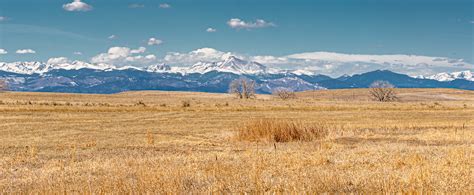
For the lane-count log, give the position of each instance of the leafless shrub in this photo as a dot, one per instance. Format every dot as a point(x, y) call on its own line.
point(383, 91)
point(284, 93)
point(242, 88)
point(281, 131)
point(3, 85)
point(186, 104)
point(140, 103)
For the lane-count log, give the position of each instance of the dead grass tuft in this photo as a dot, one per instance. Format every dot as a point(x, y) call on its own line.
point(150, 138)
point(278, 130)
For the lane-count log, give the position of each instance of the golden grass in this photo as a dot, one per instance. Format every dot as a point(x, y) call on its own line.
point(275, 130)
point(76, 143)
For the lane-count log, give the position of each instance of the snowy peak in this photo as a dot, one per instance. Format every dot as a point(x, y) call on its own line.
point(246, 67)
point(158, 68)
point(466, 75)
point(232, 64)
point(300, 72)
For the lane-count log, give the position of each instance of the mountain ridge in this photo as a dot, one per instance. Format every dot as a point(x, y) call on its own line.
point(80, 77)
point(231, 64)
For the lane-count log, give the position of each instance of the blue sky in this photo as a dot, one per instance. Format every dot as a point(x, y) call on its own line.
point(441, 28)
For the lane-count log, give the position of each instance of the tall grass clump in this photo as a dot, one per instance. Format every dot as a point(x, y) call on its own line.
point(281, 130)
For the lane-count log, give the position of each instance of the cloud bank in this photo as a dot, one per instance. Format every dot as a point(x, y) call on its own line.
point(124, 56)
point(330, 63)
point(327, 63)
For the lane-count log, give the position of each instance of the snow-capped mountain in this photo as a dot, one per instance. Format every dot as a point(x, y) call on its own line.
point(231, 64)
point(130, 78)
point(41, 68)
point(128, 68)
point(465, 75)
point(24, 67)
point(76, 65)
point(22, 75)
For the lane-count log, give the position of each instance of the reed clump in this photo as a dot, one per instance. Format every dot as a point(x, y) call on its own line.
point(278, 130)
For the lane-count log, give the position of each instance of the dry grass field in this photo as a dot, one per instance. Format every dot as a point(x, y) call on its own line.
point(181, 142)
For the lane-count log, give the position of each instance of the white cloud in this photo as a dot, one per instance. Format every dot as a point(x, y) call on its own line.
point(136, 6)
point(118, 52)
point(77, 53)
point(58, 60)
point(165, 5)
point(3, 51)
point(3, 18)
point(123, 56)
point(25, 51)
point(139, 50)
point(211, 30)
point(150, 57)
point(77, 5)
point(139, 58)
point(112, 54)
point(112, 37)
point(269, 59)
point(240, 24)
point(154, 41)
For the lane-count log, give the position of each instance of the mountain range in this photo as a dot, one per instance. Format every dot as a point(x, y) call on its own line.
point(82, 77)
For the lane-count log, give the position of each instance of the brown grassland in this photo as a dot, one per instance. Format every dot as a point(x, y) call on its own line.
point(182, 142)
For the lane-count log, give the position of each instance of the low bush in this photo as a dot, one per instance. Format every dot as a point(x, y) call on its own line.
point(186, 104)
point(284, 94)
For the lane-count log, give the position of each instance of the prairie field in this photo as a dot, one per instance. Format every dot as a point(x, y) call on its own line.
point(188, 142)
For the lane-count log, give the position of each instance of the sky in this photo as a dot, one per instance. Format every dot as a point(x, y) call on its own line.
point(288, 33)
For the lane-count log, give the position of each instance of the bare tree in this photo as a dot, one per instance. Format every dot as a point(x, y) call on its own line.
point(242, 88)
point(284, 93)
point(3, 85)
point(383, 91)
point(235, 88)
